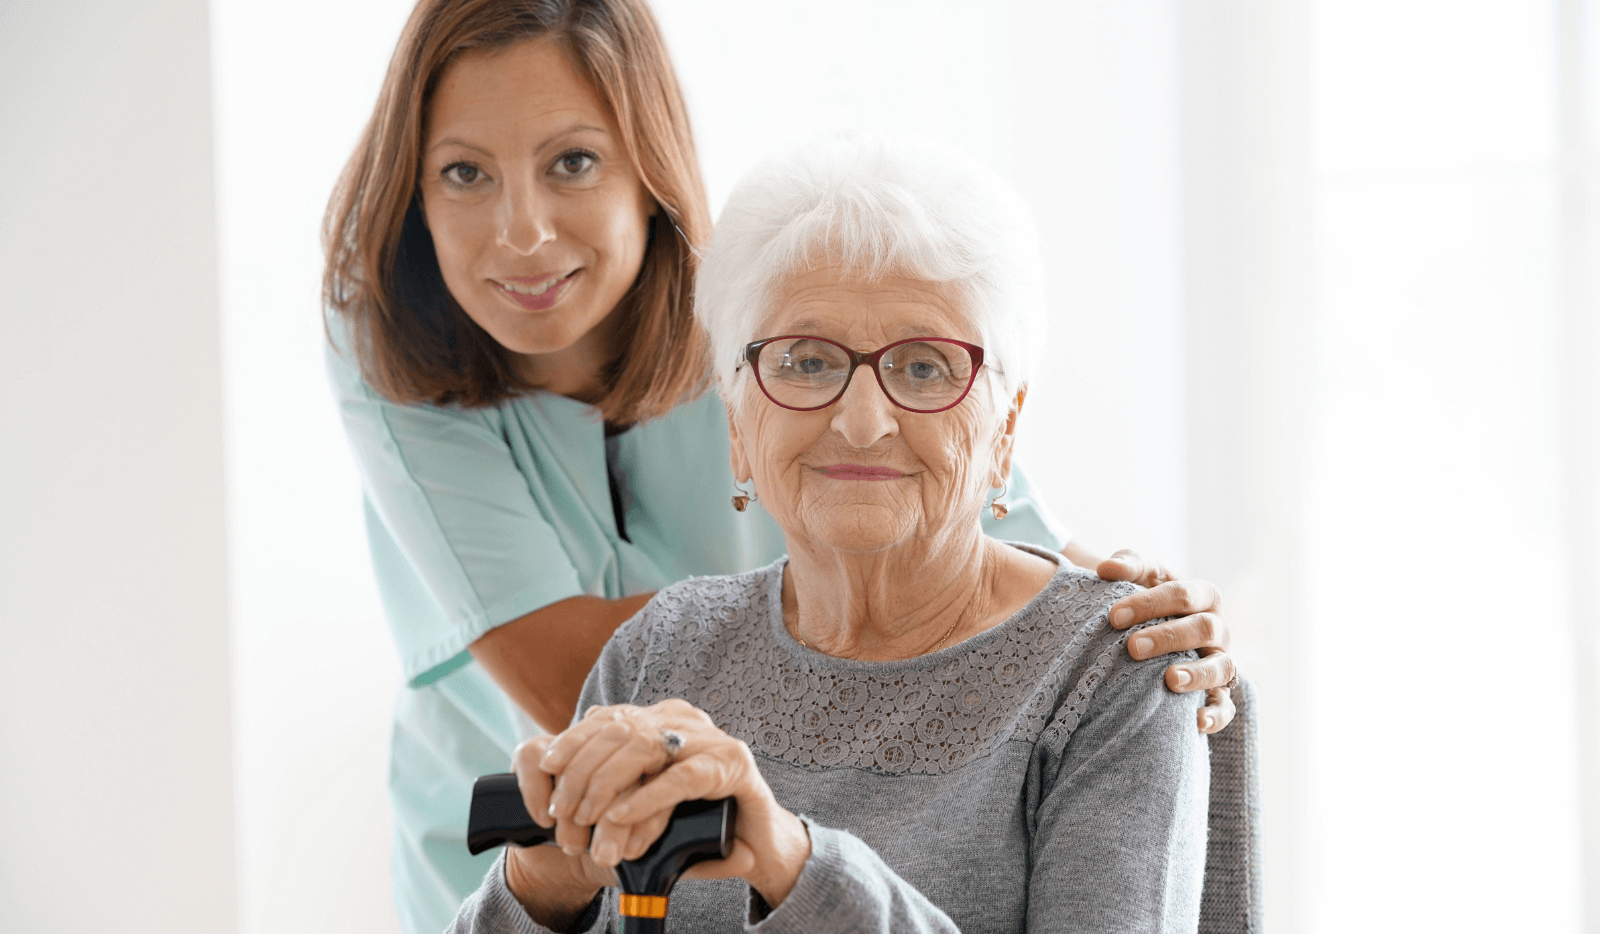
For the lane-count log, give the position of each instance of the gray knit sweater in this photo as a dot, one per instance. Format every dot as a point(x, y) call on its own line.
point(1032, 778)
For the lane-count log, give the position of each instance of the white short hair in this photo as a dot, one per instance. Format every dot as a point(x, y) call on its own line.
point(876, 206)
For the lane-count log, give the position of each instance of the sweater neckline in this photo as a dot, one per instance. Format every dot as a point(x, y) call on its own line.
point(773, 587)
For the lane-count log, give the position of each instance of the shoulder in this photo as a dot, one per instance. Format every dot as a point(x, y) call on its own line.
point(708, 604)
point(1076, 603)
point(1085, 586)
point(693, 432)
point(360, 403)
point(705, 410)
point(1086, 659)
point(689, 628)
point(1070, 622)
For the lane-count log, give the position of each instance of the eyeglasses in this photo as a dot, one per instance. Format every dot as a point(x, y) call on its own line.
point(920, 374)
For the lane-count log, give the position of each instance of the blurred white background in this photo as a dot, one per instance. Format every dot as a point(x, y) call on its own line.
point(1325, 327)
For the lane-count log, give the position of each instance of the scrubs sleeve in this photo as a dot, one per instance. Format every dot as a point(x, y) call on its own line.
point(1028, 519)
point(458, 543)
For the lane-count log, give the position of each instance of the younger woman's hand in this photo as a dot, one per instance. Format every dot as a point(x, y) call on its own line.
point(614, 788)
point(1200, 627)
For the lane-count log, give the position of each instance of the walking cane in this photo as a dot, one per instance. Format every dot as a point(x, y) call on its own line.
point(697, 831)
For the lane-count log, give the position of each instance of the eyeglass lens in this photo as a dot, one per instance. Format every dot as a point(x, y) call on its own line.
point(806, 373)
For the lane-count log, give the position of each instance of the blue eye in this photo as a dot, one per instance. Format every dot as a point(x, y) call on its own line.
point(461, 173)
point(575, 163)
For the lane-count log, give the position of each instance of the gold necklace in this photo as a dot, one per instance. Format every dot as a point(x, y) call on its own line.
point(936, 646)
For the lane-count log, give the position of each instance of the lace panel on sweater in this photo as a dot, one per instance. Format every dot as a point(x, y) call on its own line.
point(710, 641)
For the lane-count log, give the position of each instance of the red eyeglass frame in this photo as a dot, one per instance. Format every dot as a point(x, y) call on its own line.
point(752, 356)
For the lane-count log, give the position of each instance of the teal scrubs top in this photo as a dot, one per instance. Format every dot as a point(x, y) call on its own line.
point(476, 517)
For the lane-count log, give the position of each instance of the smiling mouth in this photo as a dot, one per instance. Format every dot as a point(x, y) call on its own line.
point(859, 472)
point(537, 294)
point(524, 288)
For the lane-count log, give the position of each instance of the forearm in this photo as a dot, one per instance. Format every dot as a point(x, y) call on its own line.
point(845, 886)
point(541, 660)
point(540, 879)
point(516, 900)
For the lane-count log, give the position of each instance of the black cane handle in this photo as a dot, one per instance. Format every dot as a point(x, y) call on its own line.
point(499, 817)
point(698, 831)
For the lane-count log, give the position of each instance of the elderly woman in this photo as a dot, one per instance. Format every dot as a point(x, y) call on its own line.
point(925, 728)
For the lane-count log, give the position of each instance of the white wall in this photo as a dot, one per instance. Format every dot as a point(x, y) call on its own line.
point(1578, 54)
point(314, 672)
point(116, 794)
point(1376, 222)
point(1248, 296)
point(1435, 494)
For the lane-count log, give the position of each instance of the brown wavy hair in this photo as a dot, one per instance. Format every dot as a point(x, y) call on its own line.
point(412, 340)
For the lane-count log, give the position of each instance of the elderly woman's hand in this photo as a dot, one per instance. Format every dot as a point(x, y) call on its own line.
point(1200, 627)
point(610, 786)
point(554, 886)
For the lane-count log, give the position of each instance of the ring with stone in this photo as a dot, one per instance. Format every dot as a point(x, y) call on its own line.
point(671, 742)
point(1233, 682)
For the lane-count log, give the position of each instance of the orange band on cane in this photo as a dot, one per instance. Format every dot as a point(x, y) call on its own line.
point(641, 906)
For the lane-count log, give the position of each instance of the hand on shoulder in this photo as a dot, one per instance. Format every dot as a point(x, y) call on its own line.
point(1191, 619)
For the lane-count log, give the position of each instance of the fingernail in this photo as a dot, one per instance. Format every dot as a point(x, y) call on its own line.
point(1183, 678)
point(551, 809)
point(1142, 646)
point(606, 855)
point(571, 850)
point(1122, 617)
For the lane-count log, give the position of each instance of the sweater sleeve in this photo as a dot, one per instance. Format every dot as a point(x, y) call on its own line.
point(492, 909)
point(1120, 832)
point(845, 886)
